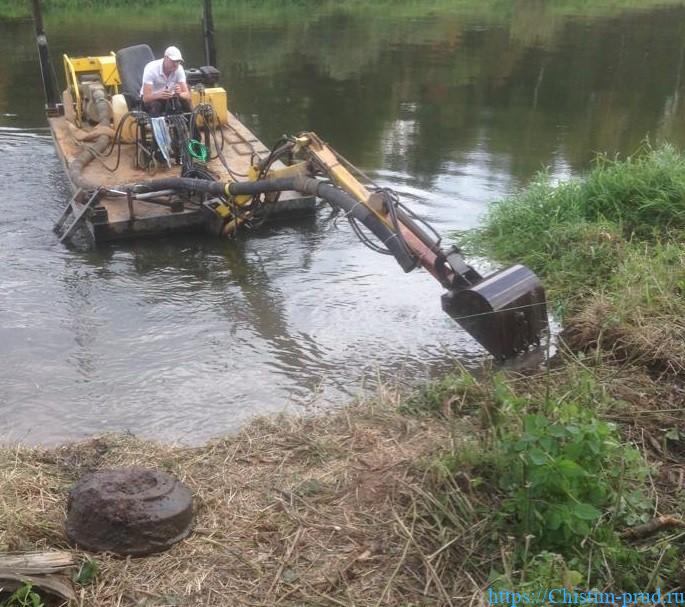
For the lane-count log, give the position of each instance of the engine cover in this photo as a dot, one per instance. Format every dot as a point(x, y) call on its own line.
point(207, 75)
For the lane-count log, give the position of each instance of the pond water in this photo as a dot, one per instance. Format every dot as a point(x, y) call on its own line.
point(452, 104)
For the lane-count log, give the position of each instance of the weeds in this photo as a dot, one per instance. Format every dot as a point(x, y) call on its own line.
point(556, 481)
point(25, 596)
point(609, 249)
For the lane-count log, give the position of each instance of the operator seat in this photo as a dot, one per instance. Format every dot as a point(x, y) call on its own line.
point(131, 62)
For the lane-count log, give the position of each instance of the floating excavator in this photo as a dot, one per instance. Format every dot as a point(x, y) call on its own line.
point(134, 176)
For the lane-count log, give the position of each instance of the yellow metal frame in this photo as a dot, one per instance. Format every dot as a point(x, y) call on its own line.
point(217, 97)
point(105, 65)
point(72, 83)
point(321, 152)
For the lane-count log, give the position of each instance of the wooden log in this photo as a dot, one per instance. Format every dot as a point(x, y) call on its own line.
point(650, 527)
point(40, 569)
point(36, 562)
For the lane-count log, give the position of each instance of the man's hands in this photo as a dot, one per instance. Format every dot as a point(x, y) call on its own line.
point(182, 91)
point(177, 91)
point(166, 93)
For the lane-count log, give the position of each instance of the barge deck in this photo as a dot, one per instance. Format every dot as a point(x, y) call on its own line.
point(118, 218)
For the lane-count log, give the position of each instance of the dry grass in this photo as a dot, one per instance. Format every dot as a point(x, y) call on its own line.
point(336, 510)
point(353, 508)
point(654, 341)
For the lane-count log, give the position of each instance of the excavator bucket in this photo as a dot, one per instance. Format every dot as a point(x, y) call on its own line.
point(506, 312)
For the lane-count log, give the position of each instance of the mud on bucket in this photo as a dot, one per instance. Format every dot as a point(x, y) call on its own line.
point(130, 511)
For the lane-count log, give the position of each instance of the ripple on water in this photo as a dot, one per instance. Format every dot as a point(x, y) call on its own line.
point(186, 338)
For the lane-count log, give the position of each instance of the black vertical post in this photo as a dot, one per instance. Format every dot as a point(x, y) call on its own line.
point(208, 33)
point(47, 71)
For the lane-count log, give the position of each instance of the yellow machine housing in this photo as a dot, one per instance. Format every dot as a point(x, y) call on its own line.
point(75, 68)
point(105, 67)
point(217, 97)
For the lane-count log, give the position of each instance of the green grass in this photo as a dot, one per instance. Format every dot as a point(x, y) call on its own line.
point(577, 232)
point(489, 9)
point(608, 247)
point(556, 480)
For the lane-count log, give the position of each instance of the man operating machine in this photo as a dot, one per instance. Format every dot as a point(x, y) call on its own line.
point(164, 89)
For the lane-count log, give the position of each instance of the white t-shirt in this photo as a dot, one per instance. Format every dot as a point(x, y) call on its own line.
point(154, 75)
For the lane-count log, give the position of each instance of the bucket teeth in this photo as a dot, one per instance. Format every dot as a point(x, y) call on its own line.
point(506, 312)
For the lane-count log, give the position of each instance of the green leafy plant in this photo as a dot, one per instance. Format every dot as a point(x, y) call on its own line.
point(25, 596)
point(563, 471)
point(564, 474)
point(560, 477)
point(87, 572)
point(566, 484)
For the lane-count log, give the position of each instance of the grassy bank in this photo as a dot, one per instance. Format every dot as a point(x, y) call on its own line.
point(609, 247)
point(491, 10)
point(594, 446)
point(466, 487)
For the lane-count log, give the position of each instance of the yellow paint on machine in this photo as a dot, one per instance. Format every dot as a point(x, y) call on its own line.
point(217, 97)
point(106, 68)
point(75, 67)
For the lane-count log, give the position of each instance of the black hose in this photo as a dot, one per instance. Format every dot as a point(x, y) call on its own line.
point(179, 183)
point(305, 185)
point(262, 186)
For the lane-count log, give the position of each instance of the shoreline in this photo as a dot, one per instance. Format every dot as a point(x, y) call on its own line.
point(289, 507)
point(395, 500)
point(566, 475)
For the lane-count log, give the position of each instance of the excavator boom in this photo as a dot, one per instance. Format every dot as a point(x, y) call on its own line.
point(505, 312)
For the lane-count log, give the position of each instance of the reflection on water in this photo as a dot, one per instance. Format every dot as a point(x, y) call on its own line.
point(185, 338)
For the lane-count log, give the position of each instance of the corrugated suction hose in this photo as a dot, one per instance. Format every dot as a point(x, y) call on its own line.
point(103, 110)
point(305, 185)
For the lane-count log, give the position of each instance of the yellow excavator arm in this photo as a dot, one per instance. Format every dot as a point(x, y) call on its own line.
point(505, 312)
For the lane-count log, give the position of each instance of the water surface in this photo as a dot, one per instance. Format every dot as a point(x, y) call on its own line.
point(452, 104)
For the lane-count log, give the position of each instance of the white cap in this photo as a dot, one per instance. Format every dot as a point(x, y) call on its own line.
point(173, 53)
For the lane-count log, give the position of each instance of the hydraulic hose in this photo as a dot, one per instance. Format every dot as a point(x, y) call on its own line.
point(104, 115)
point(305, 185)
point(215, 188)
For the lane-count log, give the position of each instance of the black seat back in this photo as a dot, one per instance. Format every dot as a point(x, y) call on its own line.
point(131, 62)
